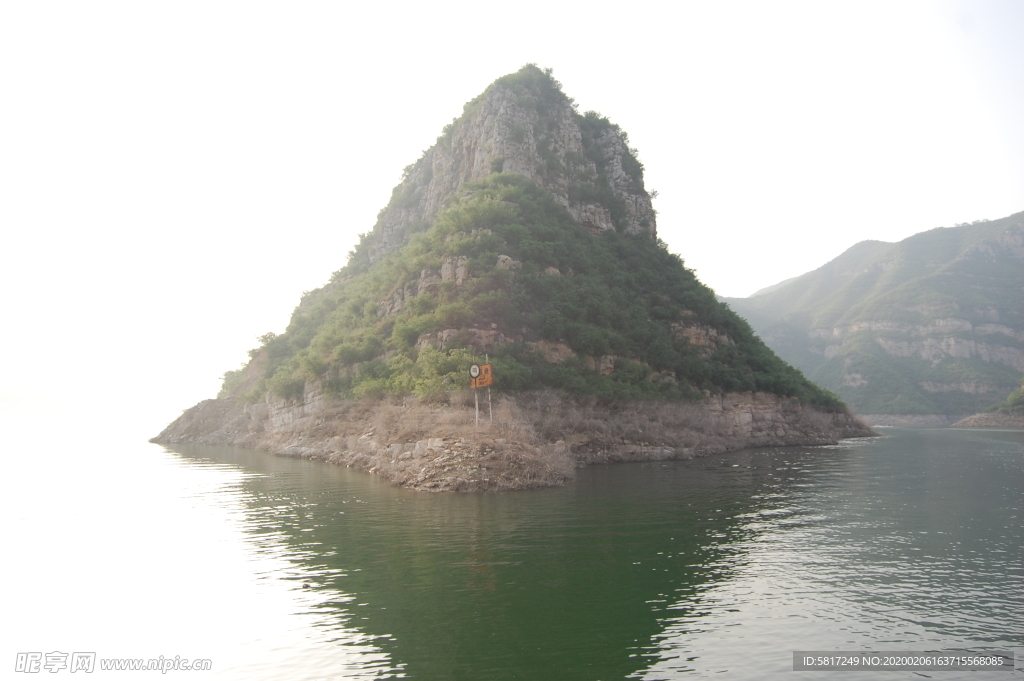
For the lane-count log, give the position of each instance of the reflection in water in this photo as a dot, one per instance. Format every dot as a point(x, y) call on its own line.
point(646, 570)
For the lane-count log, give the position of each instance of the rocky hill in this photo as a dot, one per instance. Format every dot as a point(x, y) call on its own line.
point(921, 331)
point(524, 235)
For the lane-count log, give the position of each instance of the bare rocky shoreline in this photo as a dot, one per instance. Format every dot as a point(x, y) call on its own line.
point(908, 420)
point(996, 419)
point(536, 439)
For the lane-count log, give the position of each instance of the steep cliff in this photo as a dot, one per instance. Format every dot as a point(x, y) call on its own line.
point(526, 235)
point(932, 325)
point(524, 124)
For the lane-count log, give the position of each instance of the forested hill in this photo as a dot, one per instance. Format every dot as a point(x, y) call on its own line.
point(525, 233)
point(933, 324)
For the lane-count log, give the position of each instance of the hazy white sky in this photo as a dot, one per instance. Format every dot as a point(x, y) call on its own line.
point(174, 174)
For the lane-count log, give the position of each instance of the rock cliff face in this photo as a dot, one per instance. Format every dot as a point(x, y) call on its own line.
point(943, 338)
point(933, 325)
point(584, 162)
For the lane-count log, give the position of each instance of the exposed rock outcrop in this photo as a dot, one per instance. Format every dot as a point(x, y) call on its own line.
point(702, 336)
point(937, 348)
point(535, 132)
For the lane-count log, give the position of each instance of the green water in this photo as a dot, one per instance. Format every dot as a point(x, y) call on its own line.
point(690, 569)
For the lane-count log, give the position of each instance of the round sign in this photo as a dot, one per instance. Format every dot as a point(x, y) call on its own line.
point(474, 371)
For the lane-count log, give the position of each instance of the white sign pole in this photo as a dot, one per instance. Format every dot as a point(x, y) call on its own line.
point(474, 373)
point(490, 412)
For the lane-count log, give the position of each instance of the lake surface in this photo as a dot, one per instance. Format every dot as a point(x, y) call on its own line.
point(280, 568)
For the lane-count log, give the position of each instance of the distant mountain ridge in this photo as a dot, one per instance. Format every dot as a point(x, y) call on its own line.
point(933, 324)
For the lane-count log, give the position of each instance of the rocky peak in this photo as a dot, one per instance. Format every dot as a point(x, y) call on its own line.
point(523, 123)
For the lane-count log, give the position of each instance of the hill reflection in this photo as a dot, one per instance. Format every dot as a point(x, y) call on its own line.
point(652, 570)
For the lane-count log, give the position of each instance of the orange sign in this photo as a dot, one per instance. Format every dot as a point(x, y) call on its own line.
point(485, 378)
